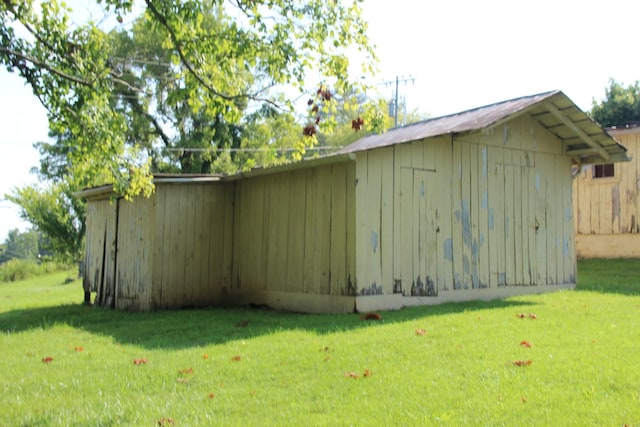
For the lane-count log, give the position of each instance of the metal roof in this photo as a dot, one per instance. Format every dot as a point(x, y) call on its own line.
point(583, 139)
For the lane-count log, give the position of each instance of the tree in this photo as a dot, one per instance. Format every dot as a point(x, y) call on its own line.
point(57, 214)
point(20, 246)
point(620, 106)
point(222, 56)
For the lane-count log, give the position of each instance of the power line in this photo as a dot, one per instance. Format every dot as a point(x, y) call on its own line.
point(242, 150)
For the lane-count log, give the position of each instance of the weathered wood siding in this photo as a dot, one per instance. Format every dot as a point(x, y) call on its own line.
point(294, 234)
point(191, 244)
point(171, 250)
point(100, 250)
point(448, 217)
point(608, 208)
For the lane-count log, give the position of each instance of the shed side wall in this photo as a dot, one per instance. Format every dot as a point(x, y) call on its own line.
point(189, 239)
point(136, 221)
point(478, 212)
point(293, 234)
point(608, 209)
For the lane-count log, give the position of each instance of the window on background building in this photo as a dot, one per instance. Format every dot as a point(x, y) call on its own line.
point(603, 171)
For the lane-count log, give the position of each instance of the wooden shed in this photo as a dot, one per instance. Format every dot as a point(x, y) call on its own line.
point(607, 203)
point(475, 205)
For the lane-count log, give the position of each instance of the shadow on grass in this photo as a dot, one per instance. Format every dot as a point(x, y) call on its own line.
point(198, 327)
point(615, 276)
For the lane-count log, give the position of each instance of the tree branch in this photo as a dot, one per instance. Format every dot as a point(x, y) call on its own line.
point(163, 20)
point(38, 63)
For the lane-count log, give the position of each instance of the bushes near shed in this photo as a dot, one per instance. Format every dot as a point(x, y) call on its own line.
point(20, 269)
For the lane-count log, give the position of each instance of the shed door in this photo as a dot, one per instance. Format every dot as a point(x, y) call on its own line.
point(419, 232)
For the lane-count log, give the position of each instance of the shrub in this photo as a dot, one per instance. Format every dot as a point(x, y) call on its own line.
point(19, 269)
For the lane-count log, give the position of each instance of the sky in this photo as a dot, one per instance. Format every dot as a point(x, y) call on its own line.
point(460, 54)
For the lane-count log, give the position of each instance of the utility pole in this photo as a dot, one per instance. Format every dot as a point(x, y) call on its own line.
point(394, 101)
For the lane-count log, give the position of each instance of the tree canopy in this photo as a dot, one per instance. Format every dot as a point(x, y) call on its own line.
point(621, 105)
point(174, 89)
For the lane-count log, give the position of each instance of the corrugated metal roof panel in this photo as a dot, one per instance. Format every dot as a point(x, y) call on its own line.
point(553, 110)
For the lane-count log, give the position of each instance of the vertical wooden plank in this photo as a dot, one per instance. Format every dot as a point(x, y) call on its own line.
point(296, 232)
point(468, 265)
point(277, 197)
point(159, 249)
point(584, 201)
point(456, 220)
point(239, 231)
point(170, 242)
point(310, 231)
point(269, 204)
point(403, 194)
point(496, 217)
point(531, 213)
point(484, 278)
point(227, 203)
point(386, 221)
point(256, 258)
point(363, 233)
point(511, 199)
point(317, 235)
point(518, 211)
point(190, 219)
point(568, 243)
point(560, 174)
point(109, 285)
point(127, 250)
point(432, 233)
point(408, 274)
point(551, 218)
point(212, 235)
point(351, 230)
point(323, 221)
point(596, 204)
point(473, 243)
point(338, 255)
point(540, 221)
point(419, 233)
point(442, 180)
point(200, 248)
point(372, 278)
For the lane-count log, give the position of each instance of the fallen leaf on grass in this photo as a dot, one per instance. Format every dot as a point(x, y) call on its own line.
point(182, 380)
point(47, 359)
point(530, 315)
point(367, 373)
point(526, 344)
point(236, 358)
point(371, 316)
point(211, 395)
point(421, 332)
point(205, 356)
point(141, 361)
point(79, 349)
point(524, 399)
point(185, 371)
point(165, 422)
point(522, 362)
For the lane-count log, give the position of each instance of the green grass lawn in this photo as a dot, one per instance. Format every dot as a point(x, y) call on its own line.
point(456, 364)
